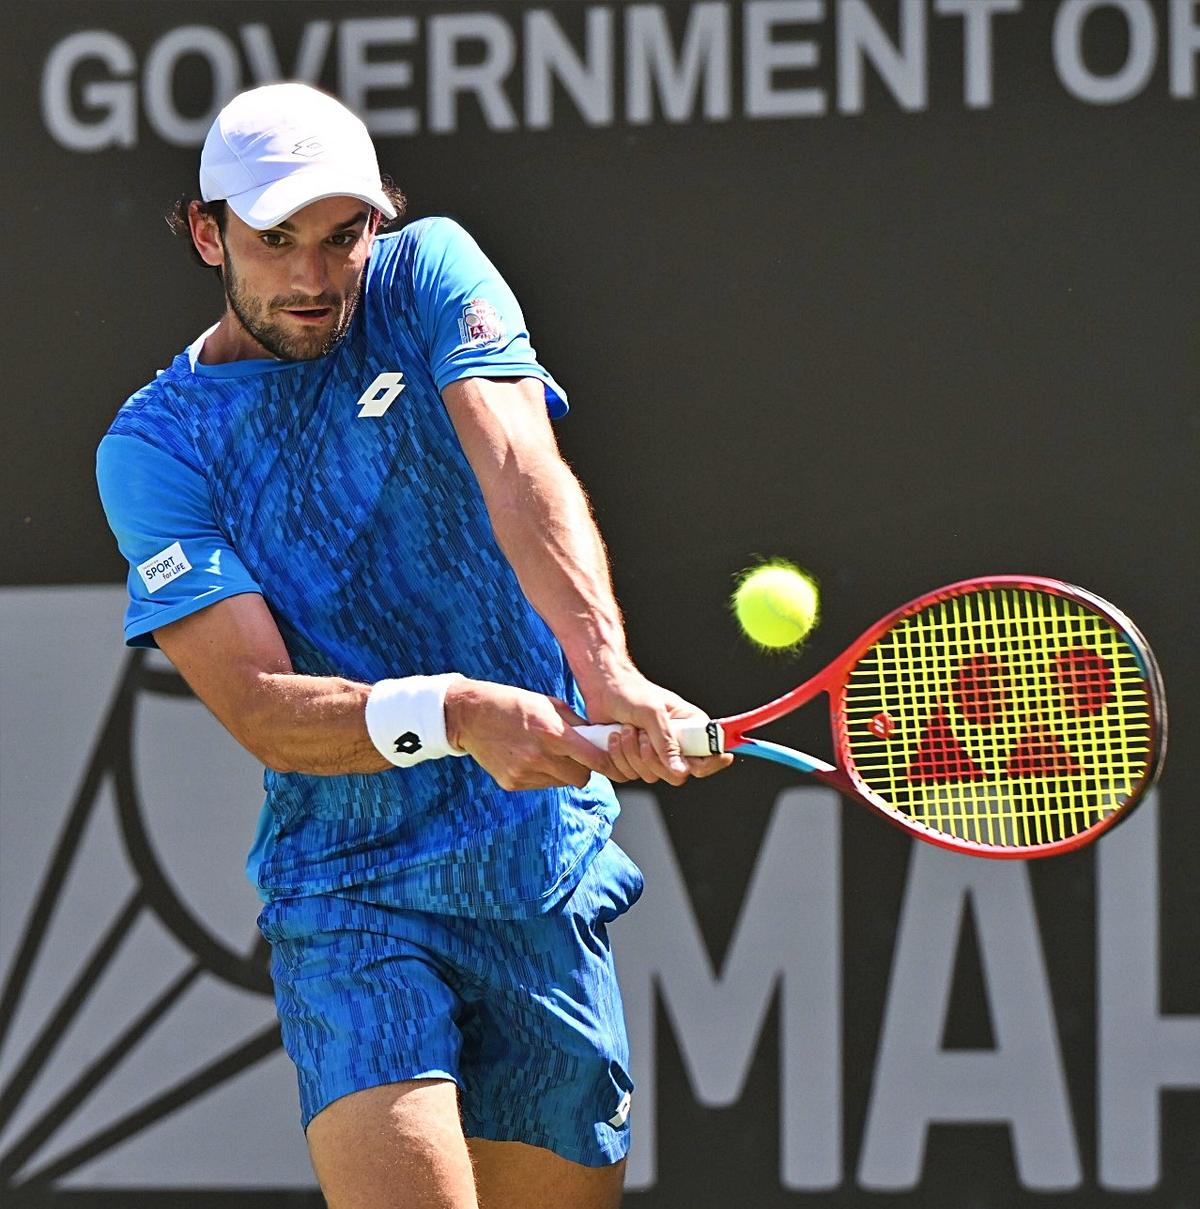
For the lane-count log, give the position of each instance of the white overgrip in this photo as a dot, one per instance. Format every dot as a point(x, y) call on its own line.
point(695, 738)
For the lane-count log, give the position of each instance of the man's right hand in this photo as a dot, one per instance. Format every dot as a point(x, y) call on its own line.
point(523, 740)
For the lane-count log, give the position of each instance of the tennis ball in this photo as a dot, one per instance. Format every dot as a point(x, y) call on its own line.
point(776, 605)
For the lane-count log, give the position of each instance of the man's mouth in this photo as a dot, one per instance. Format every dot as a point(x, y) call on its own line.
point(311, 314)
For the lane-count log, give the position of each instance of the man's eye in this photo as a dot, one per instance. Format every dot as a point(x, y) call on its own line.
point(343, 239)
point(272, 239)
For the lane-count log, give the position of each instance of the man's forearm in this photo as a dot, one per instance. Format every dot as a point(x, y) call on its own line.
point(315, 725)
point(544, 526)
point(541, 520)
point(309, 724)
point(233, 658)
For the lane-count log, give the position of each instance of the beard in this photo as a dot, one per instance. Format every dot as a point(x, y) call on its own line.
point(288, 343)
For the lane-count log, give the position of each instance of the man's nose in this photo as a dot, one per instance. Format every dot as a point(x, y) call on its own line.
point(310, 274)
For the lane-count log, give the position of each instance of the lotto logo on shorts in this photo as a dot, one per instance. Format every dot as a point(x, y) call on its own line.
point(480, 323)
point(618, 1119)
point(163, 567)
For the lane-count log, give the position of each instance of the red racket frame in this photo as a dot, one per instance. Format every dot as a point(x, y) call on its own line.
point(834, 678)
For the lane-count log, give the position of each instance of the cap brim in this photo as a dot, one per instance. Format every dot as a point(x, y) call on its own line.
point(273, 203)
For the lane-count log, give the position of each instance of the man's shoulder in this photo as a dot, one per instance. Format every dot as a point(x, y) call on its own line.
point(406, 265)
point(437, 228)
point(423, 238)
point(154, 412)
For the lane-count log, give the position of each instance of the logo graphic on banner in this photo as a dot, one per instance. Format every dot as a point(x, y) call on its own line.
point(111, 776)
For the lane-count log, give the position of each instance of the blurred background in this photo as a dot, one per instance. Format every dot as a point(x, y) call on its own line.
point(903, 290)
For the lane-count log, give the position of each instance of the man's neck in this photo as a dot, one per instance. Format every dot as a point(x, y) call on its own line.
point(229, 341)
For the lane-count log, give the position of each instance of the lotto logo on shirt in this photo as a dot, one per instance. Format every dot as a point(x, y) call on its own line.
point(163, 567)
point(480, 323)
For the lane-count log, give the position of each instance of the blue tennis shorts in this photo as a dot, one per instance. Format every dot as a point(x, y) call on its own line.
point(524, 1015)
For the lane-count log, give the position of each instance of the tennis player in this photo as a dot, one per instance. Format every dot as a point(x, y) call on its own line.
point(349, 527)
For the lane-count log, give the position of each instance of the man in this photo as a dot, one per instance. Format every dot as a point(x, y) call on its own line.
point(349, 527)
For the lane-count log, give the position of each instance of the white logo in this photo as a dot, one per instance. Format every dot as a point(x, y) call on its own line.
point(163, 567)
point(622, 1114)
point(380, 395)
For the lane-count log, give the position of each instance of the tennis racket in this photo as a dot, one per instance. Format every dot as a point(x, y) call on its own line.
point(1010, 716)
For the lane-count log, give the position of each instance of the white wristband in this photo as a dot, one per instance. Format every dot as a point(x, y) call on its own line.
point(406, 719)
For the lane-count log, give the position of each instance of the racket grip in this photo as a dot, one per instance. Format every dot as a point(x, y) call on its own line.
point(598, 735)
point(693, 736)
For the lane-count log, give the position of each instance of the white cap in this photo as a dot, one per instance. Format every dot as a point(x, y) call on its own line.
point(276, 149)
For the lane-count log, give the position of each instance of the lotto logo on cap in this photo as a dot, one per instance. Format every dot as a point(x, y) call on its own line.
point(276, 149)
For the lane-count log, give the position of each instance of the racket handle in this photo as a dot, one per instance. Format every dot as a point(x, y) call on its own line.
point(693, 736)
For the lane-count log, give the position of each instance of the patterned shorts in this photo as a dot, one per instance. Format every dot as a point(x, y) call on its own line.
point(524, 1015)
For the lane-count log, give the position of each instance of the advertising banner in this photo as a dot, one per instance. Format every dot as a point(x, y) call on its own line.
point(902, 290)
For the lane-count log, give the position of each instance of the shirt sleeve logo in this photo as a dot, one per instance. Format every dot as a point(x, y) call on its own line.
point(480, 323)
point(163, 567)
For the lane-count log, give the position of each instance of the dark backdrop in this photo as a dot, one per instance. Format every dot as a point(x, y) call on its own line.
point(901, 347)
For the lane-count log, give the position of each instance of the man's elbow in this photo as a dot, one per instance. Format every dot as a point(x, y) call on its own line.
point(264, 743)
point(277, 761)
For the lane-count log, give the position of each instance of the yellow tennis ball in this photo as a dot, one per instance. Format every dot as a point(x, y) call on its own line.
point(776, 605)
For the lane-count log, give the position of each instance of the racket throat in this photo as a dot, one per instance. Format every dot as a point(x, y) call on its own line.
point(787, 756)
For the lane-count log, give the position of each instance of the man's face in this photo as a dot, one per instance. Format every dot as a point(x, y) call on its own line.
point(294, 288)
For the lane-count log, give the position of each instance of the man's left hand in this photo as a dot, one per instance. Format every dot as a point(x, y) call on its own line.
point(646, 748)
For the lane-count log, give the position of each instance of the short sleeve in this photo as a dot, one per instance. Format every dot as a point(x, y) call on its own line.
point(471, 320)
point(158, 509)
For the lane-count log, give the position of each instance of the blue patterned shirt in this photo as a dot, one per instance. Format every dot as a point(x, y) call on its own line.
point(338, 490)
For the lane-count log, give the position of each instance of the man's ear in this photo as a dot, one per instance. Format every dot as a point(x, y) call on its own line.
point(206, 235)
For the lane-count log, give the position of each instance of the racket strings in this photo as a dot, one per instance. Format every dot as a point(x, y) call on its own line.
point(1006, 717)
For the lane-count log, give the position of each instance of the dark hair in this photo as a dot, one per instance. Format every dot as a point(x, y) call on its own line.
point(177, 216)
point(177, 220)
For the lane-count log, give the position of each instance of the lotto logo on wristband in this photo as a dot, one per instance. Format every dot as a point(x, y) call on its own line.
point(163, 567)
point(406, 719)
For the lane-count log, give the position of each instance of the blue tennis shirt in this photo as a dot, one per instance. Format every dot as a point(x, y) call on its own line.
point(337, 489)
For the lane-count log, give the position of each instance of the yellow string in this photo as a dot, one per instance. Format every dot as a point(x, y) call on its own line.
point(911, 673)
